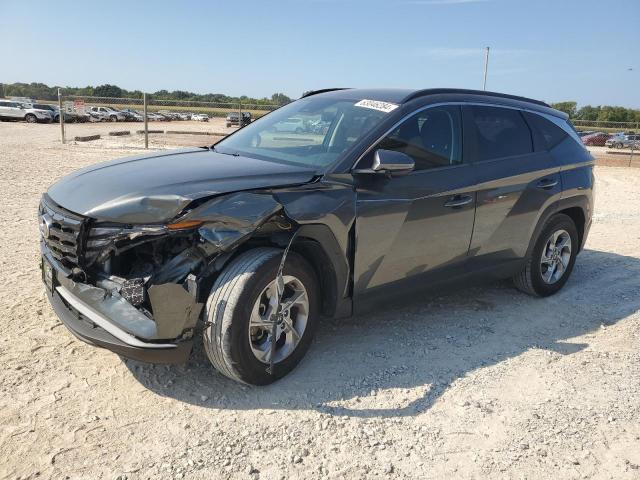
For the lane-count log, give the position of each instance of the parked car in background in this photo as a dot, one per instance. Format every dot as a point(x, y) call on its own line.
point(290, 125)
point(108, 113)
point(185, 116)
point(625, 140)
point(131, 115)
point(169, 115)
point(584, 133)
point(55, 112)
point(11, 110)
point(135, 114)
point(200, 117)
point(597, 139)
point(245, 247)
point(155, 117)
point(233, 118)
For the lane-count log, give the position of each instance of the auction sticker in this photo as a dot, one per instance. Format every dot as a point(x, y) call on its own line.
point(385, 107)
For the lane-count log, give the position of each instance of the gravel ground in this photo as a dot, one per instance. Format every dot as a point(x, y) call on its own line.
point(483, 383)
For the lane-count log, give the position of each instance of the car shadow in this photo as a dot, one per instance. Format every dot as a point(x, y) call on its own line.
point(419, 348)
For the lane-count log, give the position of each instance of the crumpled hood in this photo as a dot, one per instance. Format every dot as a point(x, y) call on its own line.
point(155, 188)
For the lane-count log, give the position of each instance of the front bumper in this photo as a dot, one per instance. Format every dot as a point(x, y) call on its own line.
point(100, 322)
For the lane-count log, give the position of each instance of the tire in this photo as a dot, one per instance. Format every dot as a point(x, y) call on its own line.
point(113, 118)
point(226, 338)
point(30, 118)
point(530, 280)
point(618, 145)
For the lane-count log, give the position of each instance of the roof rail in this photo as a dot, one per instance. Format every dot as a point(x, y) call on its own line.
point(435, 91)
point(323, 90)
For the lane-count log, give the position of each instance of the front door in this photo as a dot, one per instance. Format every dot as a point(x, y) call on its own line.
point(409, 226)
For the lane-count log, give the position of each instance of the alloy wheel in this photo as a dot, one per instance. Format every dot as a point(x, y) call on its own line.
point(556, 256)
point(289, 332)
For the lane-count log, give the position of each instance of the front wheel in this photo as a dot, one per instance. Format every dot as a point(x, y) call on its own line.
point(551, 262)
point(238, 337)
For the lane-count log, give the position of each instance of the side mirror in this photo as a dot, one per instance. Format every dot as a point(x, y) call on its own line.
point(390, 163)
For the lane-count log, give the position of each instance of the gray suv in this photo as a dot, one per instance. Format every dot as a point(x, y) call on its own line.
point(246, 244)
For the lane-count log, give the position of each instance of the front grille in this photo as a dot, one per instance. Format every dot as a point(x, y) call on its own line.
point(62, 233)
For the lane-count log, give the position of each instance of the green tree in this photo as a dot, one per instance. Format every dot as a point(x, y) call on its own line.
point(280, 99)
point(588, 113)
point(567, 107)
point(108, 91)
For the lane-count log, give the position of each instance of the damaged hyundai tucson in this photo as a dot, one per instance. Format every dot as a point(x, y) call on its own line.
point(373, 194)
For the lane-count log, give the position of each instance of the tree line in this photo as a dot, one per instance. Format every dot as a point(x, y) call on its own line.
point(41, 91)
point(601, 113)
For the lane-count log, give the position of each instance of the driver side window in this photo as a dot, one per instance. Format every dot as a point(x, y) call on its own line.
point(431, 137)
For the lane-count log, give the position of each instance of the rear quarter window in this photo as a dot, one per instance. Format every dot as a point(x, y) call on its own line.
point(546, 134)
point(500, 132)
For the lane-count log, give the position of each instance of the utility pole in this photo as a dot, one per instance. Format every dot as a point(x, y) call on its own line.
point(486, 67)
point(146, 125)
point(61, 115)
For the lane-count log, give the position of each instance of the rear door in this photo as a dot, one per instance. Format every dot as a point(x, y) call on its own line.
point(516, 183)
point(11, 110)
point(418, 224)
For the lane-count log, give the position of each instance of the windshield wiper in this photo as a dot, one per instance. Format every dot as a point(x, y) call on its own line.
point(236, 154)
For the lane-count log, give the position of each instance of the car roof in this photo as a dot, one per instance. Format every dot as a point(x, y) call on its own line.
point(402, 95)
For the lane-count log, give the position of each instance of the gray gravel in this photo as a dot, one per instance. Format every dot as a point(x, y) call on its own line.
point(486, 382)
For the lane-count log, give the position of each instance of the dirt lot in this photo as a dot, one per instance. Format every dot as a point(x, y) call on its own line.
point(487, 382)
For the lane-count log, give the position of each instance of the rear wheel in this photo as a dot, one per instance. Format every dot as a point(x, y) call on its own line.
point(551, 262)
point(113, 118)
point(238, 338)
point(30, 118)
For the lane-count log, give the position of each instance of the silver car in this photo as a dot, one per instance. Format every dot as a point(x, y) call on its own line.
point(108, 113)
point(624, 141)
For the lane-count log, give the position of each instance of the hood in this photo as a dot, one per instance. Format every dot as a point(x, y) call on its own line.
point(155, 188)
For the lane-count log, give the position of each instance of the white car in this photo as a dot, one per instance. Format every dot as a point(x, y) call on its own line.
point(109, 113)
point(290, 125)
point(200, 117)
point(11, 110)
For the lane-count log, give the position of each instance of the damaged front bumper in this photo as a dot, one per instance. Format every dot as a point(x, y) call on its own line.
point(106, 320)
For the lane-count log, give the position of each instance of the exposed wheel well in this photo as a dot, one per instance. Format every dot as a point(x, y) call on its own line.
point(577, 215)
point(313, 252)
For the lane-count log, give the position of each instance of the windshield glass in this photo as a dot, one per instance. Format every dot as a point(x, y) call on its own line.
point(312, 132)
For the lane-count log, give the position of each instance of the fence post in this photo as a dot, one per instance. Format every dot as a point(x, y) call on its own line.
point(146, 124)
point(240, 114)
point(61, 115)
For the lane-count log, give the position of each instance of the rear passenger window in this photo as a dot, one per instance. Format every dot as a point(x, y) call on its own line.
point(431, 137)
point(546, 133)
point(500, 132)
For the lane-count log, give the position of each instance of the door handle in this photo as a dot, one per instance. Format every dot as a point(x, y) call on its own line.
point(458, 201)
point(547, 183)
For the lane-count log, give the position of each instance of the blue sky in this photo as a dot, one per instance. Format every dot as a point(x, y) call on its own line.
point(548, 49)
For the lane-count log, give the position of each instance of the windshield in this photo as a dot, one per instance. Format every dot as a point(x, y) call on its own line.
point(312, 132)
